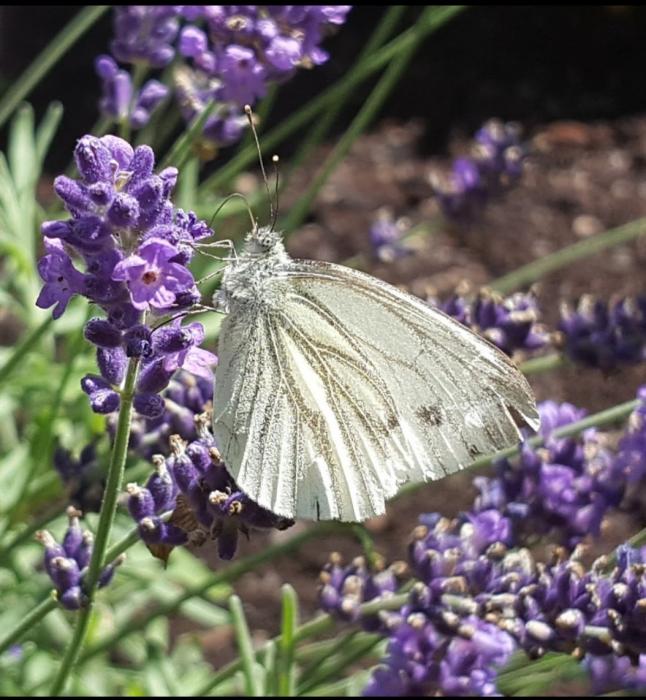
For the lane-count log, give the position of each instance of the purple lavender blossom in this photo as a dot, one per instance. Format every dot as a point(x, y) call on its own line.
point(118, 100)
point(186, 396)
point(385, 237)
point(205, 501)
point(67, 563)
point(134, 248)
point(62, 279)
point(231, 58)
point(145, 34)
point(562, 489)
point(344, 589)
point(153, 279)
point(494, 164)
point(604, 335)
point(512, 324)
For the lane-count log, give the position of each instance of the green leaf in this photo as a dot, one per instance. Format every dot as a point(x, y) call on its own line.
point(289, 623)
point(47, 129)
point(245, 648)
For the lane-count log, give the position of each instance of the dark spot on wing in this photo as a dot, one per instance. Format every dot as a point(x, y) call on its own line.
point(473, 451)
point(318, 509)
point(392, 422)
point(431, 415)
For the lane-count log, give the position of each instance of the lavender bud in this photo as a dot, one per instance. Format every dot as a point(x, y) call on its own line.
point(149, 405)
point(112, 364)
point(102, 333)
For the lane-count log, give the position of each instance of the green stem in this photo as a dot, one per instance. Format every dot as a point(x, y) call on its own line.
point(43, 63)
point(330, 96)
point(181, 149)
point(362, 119)
point(289, 625)
point(23, 349)
point(106, 518)
point(319, 130)
point(318, 625)
point(334, 669)
point(536, 270)
point(28, 622)
point(536, 365)
point(231, 573)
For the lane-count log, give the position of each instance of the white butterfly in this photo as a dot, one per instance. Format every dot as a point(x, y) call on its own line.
point(334, 388)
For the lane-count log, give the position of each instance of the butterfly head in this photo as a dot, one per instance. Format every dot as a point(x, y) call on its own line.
point(264, 241)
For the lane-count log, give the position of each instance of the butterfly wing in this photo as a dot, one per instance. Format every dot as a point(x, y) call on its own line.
point(350, 388)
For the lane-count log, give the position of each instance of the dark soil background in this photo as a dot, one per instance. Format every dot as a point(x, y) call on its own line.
point(573, 76)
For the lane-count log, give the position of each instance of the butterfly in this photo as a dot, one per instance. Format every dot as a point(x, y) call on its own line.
point(334, 388)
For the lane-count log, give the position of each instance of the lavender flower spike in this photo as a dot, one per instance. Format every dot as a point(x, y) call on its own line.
point(126, 249)
point(67, 563)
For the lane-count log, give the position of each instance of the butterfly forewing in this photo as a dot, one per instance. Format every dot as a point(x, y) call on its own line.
point(350, 388)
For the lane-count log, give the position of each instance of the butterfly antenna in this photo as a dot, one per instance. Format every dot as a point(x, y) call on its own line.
point(226, 200)
point(275, 160)
point(249, 112)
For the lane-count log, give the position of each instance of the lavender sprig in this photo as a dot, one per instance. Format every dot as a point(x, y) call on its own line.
point(67, 563)
point(494, 164)
point(134, 248)
point(230, 54)
point(605, 335)
point(206, 502)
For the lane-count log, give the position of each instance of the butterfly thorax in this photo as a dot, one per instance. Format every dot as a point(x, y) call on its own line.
point(251, 282)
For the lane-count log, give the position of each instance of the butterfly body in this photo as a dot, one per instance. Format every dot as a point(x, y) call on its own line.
point(334, 388)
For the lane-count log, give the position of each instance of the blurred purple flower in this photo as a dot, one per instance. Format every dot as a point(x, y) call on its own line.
point(512, 323)
point(385, 237)
point(231, 58)
point(605, 335)
point(494, 164)
point(145, 34)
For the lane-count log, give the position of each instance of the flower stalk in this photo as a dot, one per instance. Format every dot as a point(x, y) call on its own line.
point(106, 519)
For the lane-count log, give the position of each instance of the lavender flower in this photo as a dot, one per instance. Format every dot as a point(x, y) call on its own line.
point(344, 589)
point(562, 489)
point(186, 396)
point(145, 34)
point(134, 248)
point(385, 237)
point(67, 563)
point(206, 502)
point(605, 336)
point(231, 54)
point(118, 100)
point(511, 324)
point(494, 164)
